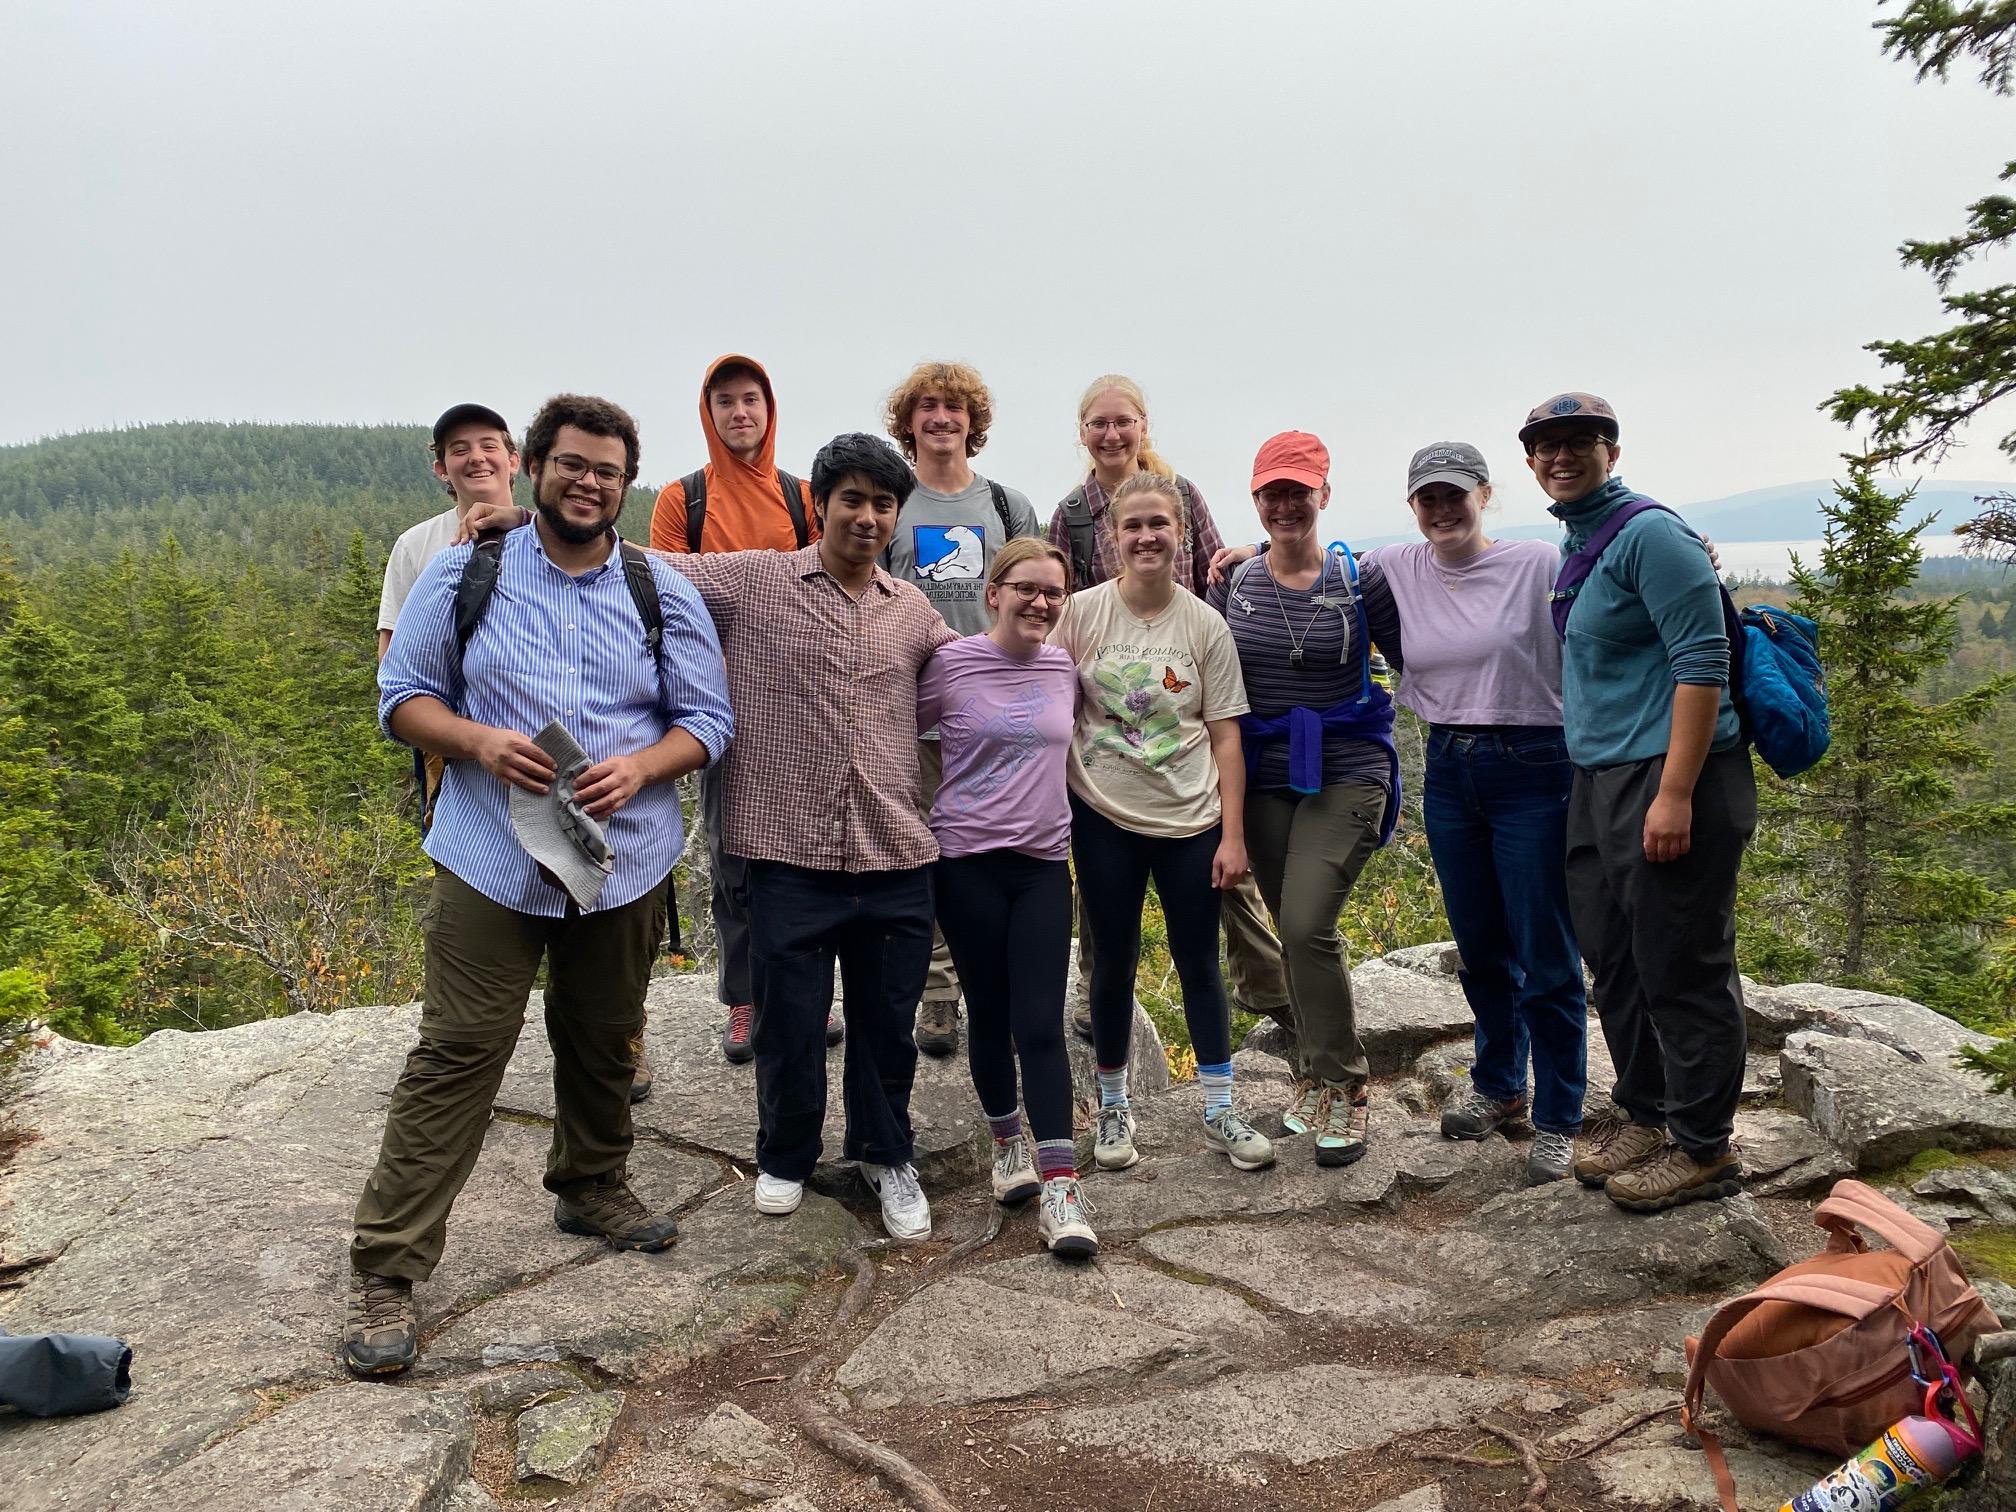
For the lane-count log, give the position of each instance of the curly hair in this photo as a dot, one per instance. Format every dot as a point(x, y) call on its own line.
point(598, 417)
point(948, 380)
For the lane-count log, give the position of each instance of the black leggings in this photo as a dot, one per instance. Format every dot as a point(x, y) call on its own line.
point(1007, 919)
point(1114, 865)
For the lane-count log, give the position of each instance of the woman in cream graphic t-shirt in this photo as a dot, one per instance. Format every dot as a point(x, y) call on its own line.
point(1157, 786)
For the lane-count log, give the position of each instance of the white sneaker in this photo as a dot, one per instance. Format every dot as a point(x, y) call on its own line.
point(1061, 1220)
point(776, 1196)
point(1014, 1176)
point(905, 1211)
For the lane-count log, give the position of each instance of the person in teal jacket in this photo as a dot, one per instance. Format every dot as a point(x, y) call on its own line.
point(1662, 805)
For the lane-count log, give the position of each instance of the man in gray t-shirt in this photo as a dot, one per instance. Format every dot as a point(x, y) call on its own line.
point(951, 526)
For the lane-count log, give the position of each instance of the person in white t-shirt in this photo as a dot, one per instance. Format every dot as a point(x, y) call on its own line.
point(1157, 784)
point(475, 459)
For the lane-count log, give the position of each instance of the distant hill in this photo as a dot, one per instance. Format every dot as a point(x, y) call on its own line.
point(277, 496)
point(1788, 512)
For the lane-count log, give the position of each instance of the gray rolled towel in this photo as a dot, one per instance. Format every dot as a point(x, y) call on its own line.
point(56, 1375)
point(555, 830)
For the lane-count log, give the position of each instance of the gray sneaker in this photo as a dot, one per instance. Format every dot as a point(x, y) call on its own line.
point(1245, 1146)
point(381, 1335)
point(1061, 1220)
point(1113, 1139)
point(1550, 1158)
point(1014, 1175)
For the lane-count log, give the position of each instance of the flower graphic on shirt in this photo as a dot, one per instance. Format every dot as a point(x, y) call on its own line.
point(1143, 721)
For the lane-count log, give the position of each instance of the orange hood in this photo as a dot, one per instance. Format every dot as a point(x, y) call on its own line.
point(745, 482)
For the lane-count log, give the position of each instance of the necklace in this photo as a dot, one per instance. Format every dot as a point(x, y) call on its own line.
point(1295, 641)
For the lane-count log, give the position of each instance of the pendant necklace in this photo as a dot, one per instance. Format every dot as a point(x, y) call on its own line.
point(1294, 641)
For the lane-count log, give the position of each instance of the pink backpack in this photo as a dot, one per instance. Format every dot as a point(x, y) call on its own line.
point(1818, 1354)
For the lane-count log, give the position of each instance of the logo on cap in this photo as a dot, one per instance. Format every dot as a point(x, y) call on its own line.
point(1567, 404)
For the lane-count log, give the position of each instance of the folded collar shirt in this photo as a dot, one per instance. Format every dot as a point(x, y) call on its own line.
point(823, 772)
point(555, 646)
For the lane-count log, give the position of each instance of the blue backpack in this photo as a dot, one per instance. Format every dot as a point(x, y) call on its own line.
point(1775, 677)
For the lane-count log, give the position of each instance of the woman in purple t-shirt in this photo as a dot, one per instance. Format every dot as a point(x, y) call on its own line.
point(1483, 671)
point(1004, 706)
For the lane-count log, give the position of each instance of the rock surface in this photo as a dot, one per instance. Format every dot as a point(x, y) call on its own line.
point(567, 1441)
point(1239, 1334)
point(1880, 1105)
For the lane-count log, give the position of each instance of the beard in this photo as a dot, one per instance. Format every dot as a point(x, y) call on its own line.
point(566, 529)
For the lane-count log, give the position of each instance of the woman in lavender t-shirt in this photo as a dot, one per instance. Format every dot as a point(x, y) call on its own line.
point(1004, 705)
point(1483, 670)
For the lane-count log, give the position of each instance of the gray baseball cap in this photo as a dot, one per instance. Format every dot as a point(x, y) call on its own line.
point(1455, 462)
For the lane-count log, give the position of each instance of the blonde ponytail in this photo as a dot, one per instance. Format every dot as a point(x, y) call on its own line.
point(1118, 383)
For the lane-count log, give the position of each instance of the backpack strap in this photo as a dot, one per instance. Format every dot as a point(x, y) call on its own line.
point(794, 502)
point(1852, 1205)
point(1337, 556)
point(695, 485)
point(1001, 508)
point(1077, 512)
point(472, 593)
point(1580, 563)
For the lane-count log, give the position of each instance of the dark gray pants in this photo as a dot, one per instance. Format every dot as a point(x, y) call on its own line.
point(1661, 940)
point(730, 885)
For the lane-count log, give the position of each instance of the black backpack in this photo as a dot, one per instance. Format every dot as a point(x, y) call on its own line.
point(472, 600)
point(1078, 521)
point(695, 484)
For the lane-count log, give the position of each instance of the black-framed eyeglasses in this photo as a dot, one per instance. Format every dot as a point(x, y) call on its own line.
point(1030, 592)
point(574, 468)
point(1576, 446)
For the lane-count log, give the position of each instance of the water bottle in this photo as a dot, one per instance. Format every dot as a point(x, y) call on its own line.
point(1913, 1453)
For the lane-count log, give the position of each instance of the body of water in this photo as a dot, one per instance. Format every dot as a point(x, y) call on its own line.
point(1772, 560)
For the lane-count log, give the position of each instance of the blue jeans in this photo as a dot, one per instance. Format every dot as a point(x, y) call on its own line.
point(1497, 814)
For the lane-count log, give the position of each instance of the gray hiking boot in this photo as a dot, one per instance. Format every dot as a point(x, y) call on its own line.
point(1550, 1158)
point(1242, 1144)
point(1113, 1139)
point(381, 1335)
point(606, 1208)
point(1472, 1115)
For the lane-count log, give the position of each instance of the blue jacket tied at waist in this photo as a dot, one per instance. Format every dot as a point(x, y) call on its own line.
point(1368, 717)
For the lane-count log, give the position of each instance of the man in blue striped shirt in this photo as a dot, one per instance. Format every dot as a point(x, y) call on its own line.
point(561, 639)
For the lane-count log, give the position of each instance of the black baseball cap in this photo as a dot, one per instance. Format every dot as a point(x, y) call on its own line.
point(467, 414)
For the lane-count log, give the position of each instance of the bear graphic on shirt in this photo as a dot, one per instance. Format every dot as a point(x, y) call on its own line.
point(948, 552)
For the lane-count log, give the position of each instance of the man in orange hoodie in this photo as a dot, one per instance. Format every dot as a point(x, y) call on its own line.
point(740, 501)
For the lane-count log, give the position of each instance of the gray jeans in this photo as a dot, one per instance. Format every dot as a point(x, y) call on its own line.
point(1661, 942)
point(729, 877)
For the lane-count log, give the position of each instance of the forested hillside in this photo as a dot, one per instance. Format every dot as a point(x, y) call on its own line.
point(200, 824)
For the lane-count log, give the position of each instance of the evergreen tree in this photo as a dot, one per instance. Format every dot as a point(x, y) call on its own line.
point(1942, 381)
point(1861, 863)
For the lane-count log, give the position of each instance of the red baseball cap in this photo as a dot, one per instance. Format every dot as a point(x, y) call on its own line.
point(1294, 457)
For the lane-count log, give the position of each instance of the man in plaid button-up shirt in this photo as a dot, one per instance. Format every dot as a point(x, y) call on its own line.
point(820, 798)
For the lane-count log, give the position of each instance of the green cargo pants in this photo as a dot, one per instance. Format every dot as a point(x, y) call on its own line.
point(481, 961)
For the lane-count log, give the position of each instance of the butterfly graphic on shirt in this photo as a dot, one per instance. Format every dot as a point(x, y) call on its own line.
point(1171, 681)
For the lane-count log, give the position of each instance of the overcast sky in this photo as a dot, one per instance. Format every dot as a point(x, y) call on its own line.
point(1389, 225)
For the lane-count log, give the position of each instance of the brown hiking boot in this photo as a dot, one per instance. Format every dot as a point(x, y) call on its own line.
point(606, 1208)
point(938, 1026)
point(380, 1333)
point(640, 1078)
point(1081, 1018)
point(1610, 1143)
point(1672, 1177)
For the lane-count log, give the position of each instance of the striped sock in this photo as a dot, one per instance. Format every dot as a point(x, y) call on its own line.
point(1006, 1127)
point(1216, 1081)
point(1054, 1158)
point(1113, 1087)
